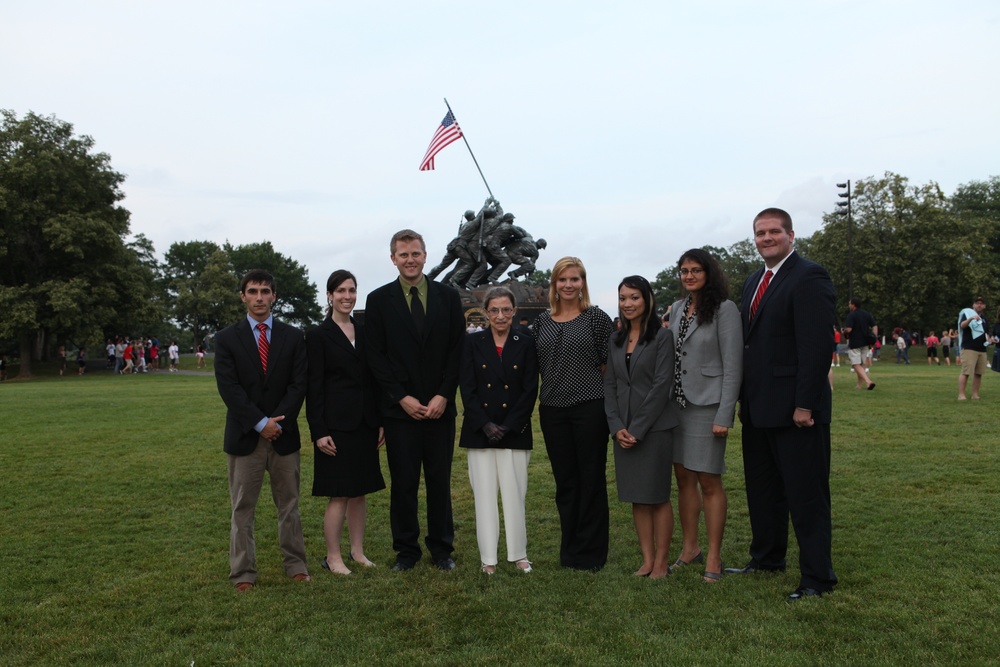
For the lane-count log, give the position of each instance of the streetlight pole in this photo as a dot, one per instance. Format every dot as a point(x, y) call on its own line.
point(844, 208)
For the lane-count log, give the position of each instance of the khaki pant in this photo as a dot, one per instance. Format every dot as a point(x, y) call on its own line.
point(246, 476)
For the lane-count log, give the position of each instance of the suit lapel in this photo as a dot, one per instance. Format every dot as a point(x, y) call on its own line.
point(245, 335)
point(398, 301)
point(434, 304)
point(489, 351)
point(278, 341)
point(774, 285)
point(337, 336)
point(640, 347)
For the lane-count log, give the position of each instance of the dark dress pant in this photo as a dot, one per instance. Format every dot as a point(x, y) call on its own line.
point(576, 439)
point(788, 473)
point(410, 445)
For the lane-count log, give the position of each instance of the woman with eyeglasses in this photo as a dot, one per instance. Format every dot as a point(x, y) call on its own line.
point(636, 394)
point(708, 369)
point(498, 377)
point(572, 341)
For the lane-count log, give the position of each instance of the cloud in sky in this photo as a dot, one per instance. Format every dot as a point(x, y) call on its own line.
point(623, 134)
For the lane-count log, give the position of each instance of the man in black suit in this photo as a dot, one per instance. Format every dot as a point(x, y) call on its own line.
point(260, 369)
point(788, 314)
point(414, 328)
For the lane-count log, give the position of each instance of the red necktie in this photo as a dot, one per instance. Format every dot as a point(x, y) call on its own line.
point(760, 293)
point(263, 345)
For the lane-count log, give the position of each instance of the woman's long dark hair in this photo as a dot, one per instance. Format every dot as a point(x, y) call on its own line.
point(333, 282)
point(716, 289)
point(651, 323)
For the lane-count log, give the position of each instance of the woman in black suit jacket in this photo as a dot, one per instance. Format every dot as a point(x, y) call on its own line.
point(499, 380)
point(343, 422)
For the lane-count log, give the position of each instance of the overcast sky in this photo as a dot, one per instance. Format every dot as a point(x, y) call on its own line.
point(623, 133)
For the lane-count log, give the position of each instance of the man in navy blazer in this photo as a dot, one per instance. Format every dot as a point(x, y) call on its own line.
point(262, 433)
point(785, 406)
point(414, 327)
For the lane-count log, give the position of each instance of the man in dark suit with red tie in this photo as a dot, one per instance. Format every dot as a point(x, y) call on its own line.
point(260, 369)
point(788, 314)
point(414, 327)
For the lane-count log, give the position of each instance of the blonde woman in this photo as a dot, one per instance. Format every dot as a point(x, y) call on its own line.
point(572, 343)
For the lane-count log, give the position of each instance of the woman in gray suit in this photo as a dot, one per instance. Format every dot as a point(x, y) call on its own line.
point(708, 370)
point(637, 386)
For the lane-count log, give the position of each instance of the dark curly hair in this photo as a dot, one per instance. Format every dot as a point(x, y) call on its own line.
point(716, 289)
point(651, 321)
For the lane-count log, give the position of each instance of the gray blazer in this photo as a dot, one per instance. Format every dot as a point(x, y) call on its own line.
point(712, 360)
point(637, 399)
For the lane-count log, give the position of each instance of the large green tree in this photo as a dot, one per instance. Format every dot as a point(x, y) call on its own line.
point(915, 262)
point(977, 204)
point(205, 300)
point(296, 302)
point(208, 300)
point(64, 262)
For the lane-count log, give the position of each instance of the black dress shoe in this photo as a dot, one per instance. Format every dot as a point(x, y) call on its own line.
point(446, 564)
point(751, 568)
point(801, 593)
point(402, 566)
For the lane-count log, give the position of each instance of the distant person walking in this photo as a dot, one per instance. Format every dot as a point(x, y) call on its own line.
point(861, 332)
point(945, 347)
point(932, 342)
point(175, 356)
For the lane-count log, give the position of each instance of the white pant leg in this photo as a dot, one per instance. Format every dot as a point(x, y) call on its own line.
point(483, 477)
point(512, 470)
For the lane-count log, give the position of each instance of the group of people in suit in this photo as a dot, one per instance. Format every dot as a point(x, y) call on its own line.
point(666, 395)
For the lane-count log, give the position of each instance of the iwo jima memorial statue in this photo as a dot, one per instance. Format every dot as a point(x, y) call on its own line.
point(488, 243)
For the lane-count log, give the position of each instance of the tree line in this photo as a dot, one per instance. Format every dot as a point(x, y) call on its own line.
point(70, 274)
point(918, 256)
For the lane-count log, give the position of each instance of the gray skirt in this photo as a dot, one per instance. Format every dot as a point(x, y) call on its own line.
point(695, 447)
point(643, 472)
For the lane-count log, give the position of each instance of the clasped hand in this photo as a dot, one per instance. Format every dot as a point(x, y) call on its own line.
point(417, 410)
point(271, 430)
point(626, 439)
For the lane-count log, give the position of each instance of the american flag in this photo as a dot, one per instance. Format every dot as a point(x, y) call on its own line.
point(446, 133)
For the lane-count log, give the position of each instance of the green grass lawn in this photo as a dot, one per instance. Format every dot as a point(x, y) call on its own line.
point(115, 530)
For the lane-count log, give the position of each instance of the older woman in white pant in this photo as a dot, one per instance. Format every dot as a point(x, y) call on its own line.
point(499, 382)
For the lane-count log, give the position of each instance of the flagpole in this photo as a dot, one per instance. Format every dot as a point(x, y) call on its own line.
point(470, 150)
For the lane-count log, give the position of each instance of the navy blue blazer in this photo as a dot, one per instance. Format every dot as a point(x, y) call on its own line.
point(250, 395)
point(502, 390)
point(786, 348)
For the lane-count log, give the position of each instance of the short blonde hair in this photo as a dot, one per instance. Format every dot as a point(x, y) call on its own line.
point(557, 270)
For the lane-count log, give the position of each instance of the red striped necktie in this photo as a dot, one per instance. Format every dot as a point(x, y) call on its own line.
point(760, 292)
point(263, 346)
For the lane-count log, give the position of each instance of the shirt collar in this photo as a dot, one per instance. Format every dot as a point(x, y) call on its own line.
point(774, 269)
point(421, 286)
point(269, 322)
